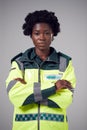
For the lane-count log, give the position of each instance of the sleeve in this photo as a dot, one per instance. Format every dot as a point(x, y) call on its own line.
point(23, 94)
point(17, 91)
point(64, 97)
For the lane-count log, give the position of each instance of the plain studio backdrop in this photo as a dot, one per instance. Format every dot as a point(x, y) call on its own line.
point(72, 40)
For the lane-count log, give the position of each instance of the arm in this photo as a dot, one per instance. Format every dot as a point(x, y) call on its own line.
point(18, 89)
point(21, 92)
point(64, 89)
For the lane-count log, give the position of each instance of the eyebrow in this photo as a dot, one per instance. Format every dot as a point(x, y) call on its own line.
point(43, 30)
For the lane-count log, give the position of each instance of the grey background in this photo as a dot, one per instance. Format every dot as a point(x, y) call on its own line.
point(72, 15)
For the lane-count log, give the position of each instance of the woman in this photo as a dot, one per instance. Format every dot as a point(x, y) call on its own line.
point(41, 81)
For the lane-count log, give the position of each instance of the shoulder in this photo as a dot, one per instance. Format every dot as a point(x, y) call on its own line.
point(60, 54)
point(16, 57)
point(22, 55)
point(63, 61)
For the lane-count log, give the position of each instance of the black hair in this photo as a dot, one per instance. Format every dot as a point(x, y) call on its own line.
point(41, 16)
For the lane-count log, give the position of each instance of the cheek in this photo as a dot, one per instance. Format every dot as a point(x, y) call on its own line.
point(49, 41)
point(34, 39)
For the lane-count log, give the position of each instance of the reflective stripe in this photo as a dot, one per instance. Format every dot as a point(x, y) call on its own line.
point(43, 116)
point(20, 64)
point(63, 64)
point(10, 85)
point(37, 92)
point(44, 102)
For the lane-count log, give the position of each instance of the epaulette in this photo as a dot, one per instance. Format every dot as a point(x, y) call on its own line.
point(16, 57)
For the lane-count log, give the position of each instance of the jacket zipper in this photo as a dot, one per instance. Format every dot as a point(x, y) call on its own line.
point(39, 102)
point(38, 118)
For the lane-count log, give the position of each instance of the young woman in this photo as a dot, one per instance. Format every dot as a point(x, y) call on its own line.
point(41, 81)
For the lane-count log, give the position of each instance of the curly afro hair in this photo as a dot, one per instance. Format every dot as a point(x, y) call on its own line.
point(38, 17)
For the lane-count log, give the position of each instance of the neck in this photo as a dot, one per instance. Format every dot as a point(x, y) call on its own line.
point(43, 54)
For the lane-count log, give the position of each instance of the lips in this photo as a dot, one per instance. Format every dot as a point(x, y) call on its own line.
point(42, 44)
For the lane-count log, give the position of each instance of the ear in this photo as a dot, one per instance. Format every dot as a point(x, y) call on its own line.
point(52, 36)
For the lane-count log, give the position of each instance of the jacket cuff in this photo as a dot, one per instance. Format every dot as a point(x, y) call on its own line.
point(48, 92)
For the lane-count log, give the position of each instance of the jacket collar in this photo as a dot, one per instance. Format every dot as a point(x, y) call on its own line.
point(30, 54)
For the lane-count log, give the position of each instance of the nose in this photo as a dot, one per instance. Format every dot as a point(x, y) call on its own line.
point(42, 37)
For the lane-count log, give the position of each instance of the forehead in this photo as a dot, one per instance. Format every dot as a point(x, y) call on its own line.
point(41, 26)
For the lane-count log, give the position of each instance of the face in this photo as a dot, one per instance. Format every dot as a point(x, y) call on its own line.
point(42, 36)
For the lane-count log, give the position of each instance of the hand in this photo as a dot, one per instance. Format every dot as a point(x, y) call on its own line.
point(63, 84)
point(21, 80)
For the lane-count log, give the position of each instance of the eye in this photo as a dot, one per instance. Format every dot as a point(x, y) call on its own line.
point(47, 33)
point(36, 33)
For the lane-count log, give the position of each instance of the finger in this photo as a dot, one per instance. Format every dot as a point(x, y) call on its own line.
point(67, 84)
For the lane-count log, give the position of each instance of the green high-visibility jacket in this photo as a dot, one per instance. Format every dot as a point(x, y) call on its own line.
point(37, 104)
